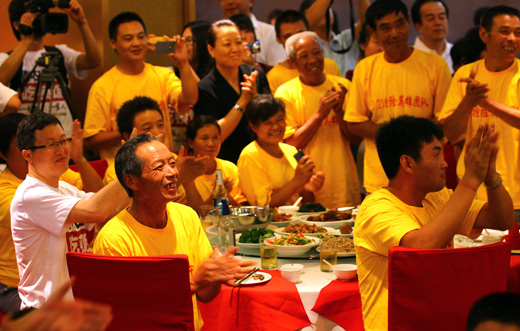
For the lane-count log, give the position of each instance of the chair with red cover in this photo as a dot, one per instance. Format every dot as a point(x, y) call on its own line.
point(434, 289)
point(145, 293)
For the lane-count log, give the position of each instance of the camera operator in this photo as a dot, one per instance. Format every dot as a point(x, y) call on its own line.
point(16, 65)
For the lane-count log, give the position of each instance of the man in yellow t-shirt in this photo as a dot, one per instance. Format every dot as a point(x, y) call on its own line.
point(416, 209)
point(12, 176)
point(154, 225)
point(144, 115)
point(487, 92)
point(288, 23)
point(131, 76)
point(401, 80)
point(315, 104)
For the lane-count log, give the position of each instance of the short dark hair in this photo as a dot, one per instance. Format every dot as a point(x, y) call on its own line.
point(487, 19)
point(380, 8)
point(415, 11)
point(502, 307)
point(119, 19)
point(16, 10)
point(198, 122)
point(8, 125)
point(404, 135)
point(243, 22)
point(26, 129)
point(126, 114)
point(212, 32)
point(127, 162)
point(289, 16)
point(261, 108)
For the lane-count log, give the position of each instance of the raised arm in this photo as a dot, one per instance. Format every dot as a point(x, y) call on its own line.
point(190, 92)
point(92, 56)
point(479, 159)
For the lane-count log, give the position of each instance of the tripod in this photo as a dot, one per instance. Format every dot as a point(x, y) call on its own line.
point(50, 73)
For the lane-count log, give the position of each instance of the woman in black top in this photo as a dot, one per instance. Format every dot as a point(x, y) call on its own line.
point(227, 89)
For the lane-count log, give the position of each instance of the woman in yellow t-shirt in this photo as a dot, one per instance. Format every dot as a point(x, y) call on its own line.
point(203, 133)
point(267, 167)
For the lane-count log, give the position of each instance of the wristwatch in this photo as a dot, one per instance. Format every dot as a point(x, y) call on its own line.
point(497, 184)
point(237, 107)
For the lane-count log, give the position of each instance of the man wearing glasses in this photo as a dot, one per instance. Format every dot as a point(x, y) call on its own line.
point(44, 207)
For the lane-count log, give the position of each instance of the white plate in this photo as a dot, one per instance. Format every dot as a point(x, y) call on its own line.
point(329, 230)
point(252, 281)
point(337, 232)
point(295, 250)
point(349, 254)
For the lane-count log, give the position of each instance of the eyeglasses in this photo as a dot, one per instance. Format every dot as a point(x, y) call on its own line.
point(55, 145)
point(190, 41)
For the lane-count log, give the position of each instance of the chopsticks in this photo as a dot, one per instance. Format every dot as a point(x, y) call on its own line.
point(246, 277)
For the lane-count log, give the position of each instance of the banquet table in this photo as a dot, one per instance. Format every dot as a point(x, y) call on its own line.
point(325, 303)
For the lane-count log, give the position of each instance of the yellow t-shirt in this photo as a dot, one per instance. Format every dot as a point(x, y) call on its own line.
point(260, 173)
point(123, 235)
point(504, 88)
point(280, 75)
point(8, 185)
point(110, 175)
point(382, 90)
point(205, 183)
point(329, 149)
point(382, 220)
point(114, 88)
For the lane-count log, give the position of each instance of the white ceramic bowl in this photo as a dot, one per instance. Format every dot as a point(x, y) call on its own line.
point(295, 250)
point(291, 272)
point(292, 210)
point(345, 272)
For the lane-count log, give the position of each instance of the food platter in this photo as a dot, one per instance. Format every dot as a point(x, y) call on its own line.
point(308, 234)
point(253, 281)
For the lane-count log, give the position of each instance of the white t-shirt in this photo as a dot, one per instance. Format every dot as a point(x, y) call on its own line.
point(5, 95)
point(59, 106)
point(272, 52)
point(345, 61)
point(445, 55)
point(38, 214)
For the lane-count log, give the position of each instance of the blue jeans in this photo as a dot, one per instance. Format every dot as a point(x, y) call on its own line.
point(9, 299)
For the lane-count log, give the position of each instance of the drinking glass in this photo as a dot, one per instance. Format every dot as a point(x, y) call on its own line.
point(328, 252)
point(205, 216)
point(268, 254)
point(262, 207)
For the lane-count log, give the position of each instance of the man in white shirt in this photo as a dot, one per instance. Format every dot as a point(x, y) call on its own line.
point(9, 101)
point(430, 18)
point(272, 53)
point(44, 207)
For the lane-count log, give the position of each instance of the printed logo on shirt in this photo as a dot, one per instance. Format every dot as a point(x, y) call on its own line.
point(78, 238)
point(401, 101)
point(480, 112)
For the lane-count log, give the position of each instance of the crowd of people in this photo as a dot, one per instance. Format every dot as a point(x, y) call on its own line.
point(256, 95)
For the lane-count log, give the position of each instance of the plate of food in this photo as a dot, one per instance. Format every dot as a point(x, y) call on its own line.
point(293, 245)
point(346, 230)
point(250, 238)
point(303, 228)
point(311, 208)
point(345, 245)
point(330, 218)
point(283, 219)
point(258, 277)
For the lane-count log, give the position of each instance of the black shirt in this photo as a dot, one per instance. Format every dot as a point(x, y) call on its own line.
point(217, 97)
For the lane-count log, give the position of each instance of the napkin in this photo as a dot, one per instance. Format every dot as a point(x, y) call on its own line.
point(341, 303)
point(275, 304)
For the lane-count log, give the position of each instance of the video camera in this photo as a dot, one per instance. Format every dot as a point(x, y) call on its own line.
point(48, 22)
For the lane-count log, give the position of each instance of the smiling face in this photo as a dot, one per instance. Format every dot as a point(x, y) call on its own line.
point(503, 41)
point(48, 163)
point(131, 42)
point(270, 132)
point(158, 181)
point(229, 49)
point(309, 61)
point(206, 142)
point(434, 22)
point(232, 7)
point(392, 33)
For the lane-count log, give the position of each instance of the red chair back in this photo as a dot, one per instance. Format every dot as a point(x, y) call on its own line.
point(145, 293)
point(99, 165)
point(434, 289)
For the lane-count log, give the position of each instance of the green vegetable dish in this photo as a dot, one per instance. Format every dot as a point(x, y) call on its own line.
point(311, 207)
point(252, 236)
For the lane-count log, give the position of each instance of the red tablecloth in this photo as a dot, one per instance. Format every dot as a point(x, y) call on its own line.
point(513, 279)
point(341, 303)
point(273, 305)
